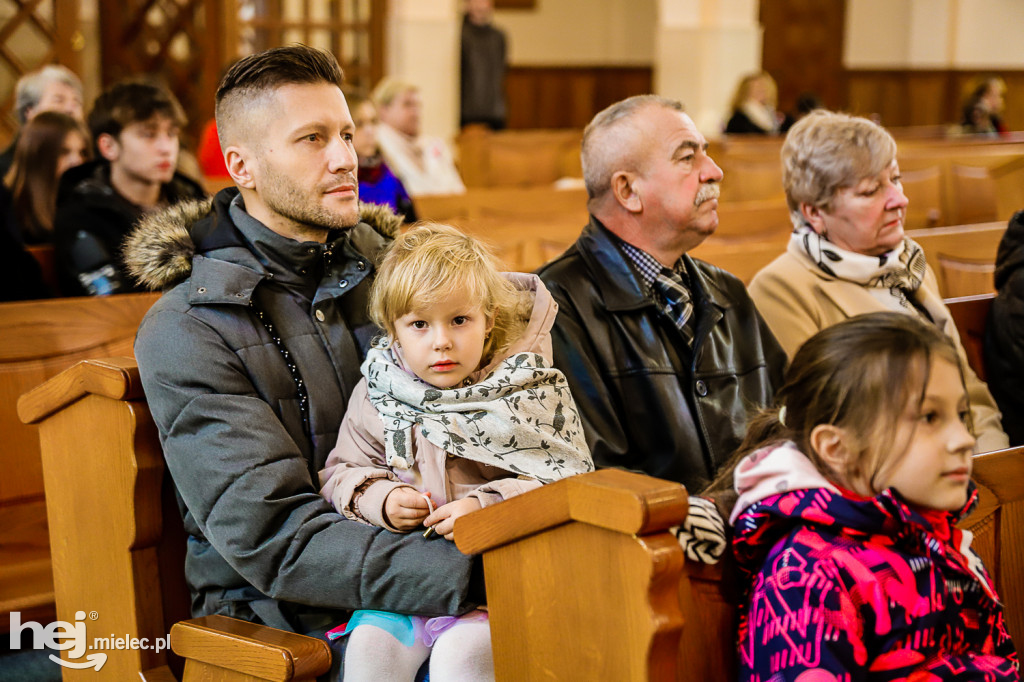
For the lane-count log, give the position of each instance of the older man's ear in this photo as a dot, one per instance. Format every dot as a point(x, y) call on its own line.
point(624, 191)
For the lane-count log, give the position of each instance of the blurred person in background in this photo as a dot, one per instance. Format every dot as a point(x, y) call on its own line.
point(377, 184)
point(484, 49)
point(48, 145)
point(135, 127)
point(983, 103)
point(753, 107)
point(51, 88)
point(423, 163)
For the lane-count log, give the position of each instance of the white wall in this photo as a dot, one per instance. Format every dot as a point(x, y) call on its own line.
point(580, 32)
point(939, 34)
point(697, 48)
point(423, 48)
point(989, 34)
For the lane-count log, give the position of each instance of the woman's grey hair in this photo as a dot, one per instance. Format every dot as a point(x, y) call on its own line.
point(827, 151)
point(31, 86)
point(602, 153)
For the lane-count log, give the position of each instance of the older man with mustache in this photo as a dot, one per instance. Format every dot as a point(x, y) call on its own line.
point(666, 355)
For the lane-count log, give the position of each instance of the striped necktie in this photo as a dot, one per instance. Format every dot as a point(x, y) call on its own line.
point(676, 301)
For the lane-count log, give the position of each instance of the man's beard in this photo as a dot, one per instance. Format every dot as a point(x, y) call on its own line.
point(281, 195)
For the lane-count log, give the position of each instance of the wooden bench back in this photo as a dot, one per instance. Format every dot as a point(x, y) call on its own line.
point(998, 527)
point(121, 543)
point(963, 257)
point(948, 182)
point(39, 340)
point(518, 158)
point(970, 315)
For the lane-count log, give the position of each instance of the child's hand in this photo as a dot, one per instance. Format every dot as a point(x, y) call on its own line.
point(406, 508)
point(445, 515)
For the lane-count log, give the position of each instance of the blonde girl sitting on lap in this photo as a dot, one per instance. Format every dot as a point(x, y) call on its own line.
point(845, 527)
point(459, 408)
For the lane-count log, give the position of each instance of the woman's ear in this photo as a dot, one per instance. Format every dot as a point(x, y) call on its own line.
point(814, 216)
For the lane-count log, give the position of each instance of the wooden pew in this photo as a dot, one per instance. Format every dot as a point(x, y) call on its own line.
point(584, 575)
point(528, 227)
point(741, 222)
point(584, 581)
point(743, 259)
point(518, 158)
point(970, 315)
point(504, 203)
point(923, 188)
point(949, 181)
point(40, 339)
point(118, 541)
point(525, 227)
point(963, 257)
point(998, 527)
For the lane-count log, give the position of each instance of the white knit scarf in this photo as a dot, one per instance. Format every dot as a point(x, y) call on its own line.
point(893, 277)
point(521, 417)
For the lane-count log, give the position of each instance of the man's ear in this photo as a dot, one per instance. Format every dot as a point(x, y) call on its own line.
point(624, 190)
point(240, 162)
point(108, 146)
point(814, 216)
point(832, 443)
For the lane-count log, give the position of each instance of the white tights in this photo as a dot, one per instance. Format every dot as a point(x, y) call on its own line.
point(462, 653)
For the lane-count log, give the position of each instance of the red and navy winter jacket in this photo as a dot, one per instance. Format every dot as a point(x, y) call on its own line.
point(848, 588)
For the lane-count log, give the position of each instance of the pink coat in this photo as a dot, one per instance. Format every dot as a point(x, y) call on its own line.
point(356, 478)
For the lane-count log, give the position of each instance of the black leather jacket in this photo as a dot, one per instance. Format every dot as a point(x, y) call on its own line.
point(1004, 341)
point(646, 404)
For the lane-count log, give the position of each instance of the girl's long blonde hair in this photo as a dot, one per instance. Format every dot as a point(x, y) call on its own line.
point(432, 262)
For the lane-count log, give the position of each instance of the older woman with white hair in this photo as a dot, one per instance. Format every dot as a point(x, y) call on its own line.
point(848, 253)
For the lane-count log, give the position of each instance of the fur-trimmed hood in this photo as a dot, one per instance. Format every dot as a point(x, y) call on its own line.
point(159, 251)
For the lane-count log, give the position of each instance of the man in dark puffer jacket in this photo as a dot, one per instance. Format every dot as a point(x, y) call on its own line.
point(249, 358)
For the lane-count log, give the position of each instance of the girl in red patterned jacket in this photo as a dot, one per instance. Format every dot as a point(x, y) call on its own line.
point(849, 493)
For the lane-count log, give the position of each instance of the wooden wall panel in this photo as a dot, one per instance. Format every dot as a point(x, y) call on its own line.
point(568, 97)
point(904, 97)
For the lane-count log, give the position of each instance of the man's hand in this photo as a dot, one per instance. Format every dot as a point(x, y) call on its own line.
point(443, 518)
point(406, 508)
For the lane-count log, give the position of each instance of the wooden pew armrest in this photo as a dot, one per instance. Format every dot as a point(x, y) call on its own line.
point(116, 378)
point(622, 501)
point(264, 653)
point(591, 551)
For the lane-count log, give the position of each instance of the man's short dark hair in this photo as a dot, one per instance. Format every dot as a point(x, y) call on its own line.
point(258, 74)
point(130, 102)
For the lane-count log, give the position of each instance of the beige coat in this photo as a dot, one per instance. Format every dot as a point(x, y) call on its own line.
point(797, 301)
point(358, 459)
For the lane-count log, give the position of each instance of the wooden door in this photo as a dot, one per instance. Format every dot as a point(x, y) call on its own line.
point(803, 49)
point(33, 34)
